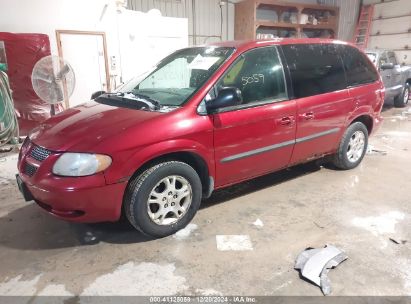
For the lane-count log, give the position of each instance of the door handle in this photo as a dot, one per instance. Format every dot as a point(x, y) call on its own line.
point(388, 76)
point(308, 115)
point(286, 121)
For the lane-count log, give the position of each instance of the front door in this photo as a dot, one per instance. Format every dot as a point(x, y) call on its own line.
point(323, 101)
point(258, 135)
point(386, 74)
point(396, 77)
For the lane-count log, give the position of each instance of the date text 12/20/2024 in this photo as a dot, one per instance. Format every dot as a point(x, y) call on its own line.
point(204, 299)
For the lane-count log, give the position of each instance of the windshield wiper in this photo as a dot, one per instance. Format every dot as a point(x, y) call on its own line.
point(146, 99)
point(153, 101)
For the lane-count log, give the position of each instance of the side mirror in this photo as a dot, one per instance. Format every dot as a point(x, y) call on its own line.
point(227, 97)
point(97, 94)
point(387, 66)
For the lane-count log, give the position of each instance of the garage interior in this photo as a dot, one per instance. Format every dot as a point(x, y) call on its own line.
point(245, 239)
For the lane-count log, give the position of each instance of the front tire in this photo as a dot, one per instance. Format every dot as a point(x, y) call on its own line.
point(163, 199)
point(352, 147)
point(401, 100)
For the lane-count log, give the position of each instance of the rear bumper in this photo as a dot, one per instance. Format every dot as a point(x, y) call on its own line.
point(90, 205)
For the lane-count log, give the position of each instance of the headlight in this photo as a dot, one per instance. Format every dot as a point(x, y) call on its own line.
point(81, 164)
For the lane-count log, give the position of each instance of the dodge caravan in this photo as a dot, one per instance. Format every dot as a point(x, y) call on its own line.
point(204, 118)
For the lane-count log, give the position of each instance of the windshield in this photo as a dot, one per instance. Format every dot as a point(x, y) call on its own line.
point(177, 77)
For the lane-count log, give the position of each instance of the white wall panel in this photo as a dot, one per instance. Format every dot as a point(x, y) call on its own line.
point(204, 17)
point(146, 39)
point(392, 33)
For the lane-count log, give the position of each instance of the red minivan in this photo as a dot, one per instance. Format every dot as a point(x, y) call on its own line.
point(204, 118)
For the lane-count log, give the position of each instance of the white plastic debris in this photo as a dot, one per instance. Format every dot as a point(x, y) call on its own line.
point(258, 223)
point(314, 265)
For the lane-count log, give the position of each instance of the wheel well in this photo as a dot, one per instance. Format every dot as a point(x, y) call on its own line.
point(192, 159)
point(366, 120)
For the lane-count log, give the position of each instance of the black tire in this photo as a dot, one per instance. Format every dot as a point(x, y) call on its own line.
point(139, 189)
point(340, 159)
point(401, 101)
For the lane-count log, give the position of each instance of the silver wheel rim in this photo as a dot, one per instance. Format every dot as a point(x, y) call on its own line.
point(356, 146)
point(406, 96)
point(169, 200)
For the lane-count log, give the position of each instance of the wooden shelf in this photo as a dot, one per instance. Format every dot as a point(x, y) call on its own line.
point(266, 23)
point(254, 15)
point(302, 6)
point(296, 26)
point(323, 26)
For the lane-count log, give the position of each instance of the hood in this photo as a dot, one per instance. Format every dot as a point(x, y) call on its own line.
point(406, 69)
point(85, 127)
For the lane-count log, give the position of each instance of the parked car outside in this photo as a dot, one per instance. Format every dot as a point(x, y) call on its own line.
point(396, 78)
point(203, 119)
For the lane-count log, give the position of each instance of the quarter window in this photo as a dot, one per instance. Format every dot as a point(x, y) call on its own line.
point(315, 69)
point(358, 67)
point(258, 74)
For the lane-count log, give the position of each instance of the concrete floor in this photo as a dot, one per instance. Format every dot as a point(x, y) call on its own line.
point(277, 216)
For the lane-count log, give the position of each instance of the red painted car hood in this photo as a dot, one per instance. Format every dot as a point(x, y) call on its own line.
point(87, 128)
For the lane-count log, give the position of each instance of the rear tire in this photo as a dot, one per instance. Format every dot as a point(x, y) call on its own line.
point(163, 199)
point(352, 147)
point(401, 100)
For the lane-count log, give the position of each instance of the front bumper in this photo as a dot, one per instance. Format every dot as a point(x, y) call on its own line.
point(79, 199)
point(90, 204)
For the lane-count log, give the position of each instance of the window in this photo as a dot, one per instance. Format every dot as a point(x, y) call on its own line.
point(315, 69)
point(392, 58)
point(180, 75)
point(258, 74)
point(358, 68)
point(383, 59)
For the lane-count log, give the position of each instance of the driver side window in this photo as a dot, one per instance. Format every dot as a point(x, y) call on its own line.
point(391, 58)
point(383, 59)
point(258, 74)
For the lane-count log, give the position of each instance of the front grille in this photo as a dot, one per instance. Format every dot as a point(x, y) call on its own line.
point(39, 153)
point(29, 169)
point(33, 152)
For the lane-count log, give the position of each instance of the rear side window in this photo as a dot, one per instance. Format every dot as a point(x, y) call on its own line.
point(358, 68)
point(315, 69)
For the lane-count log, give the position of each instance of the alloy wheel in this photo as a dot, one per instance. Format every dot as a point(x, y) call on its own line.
point(356, 146)
point(169, 200)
